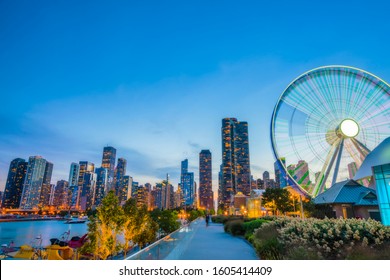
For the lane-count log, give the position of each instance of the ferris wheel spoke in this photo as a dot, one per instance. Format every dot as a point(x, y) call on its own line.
point(327, 166)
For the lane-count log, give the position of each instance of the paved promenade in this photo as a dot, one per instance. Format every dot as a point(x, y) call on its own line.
point(212, 243)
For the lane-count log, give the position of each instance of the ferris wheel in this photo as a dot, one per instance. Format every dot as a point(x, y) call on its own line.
point(326, 122)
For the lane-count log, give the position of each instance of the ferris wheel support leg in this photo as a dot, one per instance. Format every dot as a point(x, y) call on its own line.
point(326, 169)
point(336, 169)
point(363, 150)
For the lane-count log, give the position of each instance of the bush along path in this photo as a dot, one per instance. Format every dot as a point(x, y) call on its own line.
point(293, 238)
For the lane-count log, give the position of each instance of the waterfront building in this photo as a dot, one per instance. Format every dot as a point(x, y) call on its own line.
point(187, 184)
point(127, 188)
point(101, 184)
point(108, 162)
point(88, 191)
point(236, 175)
point(61, 195)
point(52, 193)
point(205, 180)
point(266, 179)
point(14, 185)
point(32, 186)
point(84, 167)
point(46, 185)
point(349, 199)
point(382, 183)
point(74, 174)
point(134, 189)
point(280, 174)
point(120, 172)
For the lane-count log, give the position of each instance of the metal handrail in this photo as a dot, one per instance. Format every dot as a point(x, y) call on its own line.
point(158, 242)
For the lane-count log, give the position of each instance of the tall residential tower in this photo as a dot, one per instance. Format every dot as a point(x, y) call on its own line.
point(236, 175)
point(205, 180)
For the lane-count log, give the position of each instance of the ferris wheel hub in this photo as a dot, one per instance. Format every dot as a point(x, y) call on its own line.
point(349, 128)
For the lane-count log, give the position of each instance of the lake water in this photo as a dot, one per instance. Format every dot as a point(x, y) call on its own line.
point(26, 232)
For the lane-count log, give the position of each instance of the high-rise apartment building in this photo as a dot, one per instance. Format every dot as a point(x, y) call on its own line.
point(101, 184)
point(187, 184)
point(127, 188)
point(14, 185)
point(61, 195)
point(236, 175)
point(280, 174)
point(32, 186)
point(74, 174)
point(88, 191)
point(46, 186)
point(119, 173)
point(85, 167)
point(266, 180)
point(108, 162)
point(205, 180)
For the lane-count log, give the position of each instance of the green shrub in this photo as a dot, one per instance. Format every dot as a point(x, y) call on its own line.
point(252, 225)
point(219, 219)
point(361, 252)
point(266, 242)
point(234, 227)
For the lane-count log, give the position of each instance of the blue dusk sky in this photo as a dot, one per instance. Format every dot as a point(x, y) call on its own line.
point(155, 78)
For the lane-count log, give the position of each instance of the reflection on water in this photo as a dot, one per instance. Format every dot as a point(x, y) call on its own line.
point(26, 232)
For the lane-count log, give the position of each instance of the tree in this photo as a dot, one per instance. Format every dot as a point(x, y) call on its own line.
point(104, 228)
point(166, 220)
point(138, 227)
point(277, 199)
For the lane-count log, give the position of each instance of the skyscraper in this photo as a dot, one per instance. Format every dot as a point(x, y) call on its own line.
point(73, 185)
point(127, 188)
point(236, 175)
point(280, 176)
point(266, 183)
point(120, 172)
point(205, 180)
point(85, 168)
point(108, 162)
point(88, 191)
point(74, 174)
point(14, 185)
point(33, 183)
point(101, 184)
point(187, 184)
point(61, 195)
point(46, 186)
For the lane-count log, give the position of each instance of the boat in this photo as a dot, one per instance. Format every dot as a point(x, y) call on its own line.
point(75, 221)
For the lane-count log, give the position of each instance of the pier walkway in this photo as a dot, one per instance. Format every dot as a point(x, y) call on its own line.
point(199, 242)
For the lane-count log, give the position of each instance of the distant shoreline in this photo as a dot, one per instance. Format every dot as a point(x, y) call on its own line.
point(30, 219)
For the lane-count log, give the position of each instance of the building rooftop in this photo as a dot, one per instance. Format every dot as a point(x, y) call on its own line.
point(349, 192)
point(380, 155)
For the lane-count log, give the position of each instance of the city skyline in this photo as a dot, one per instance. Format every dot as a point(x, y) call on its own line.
point(74, 82)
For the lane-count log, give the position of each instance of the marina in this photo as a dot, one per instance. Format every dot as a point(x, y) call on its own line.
point(25, 232)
